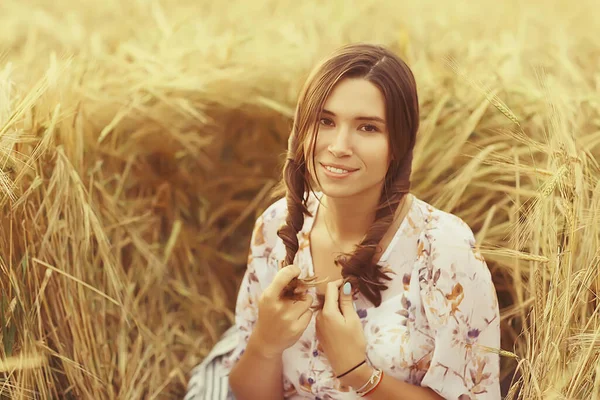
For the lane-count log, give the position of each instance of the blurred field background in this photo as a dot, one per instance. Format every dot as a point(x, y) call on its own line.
point(140, 139)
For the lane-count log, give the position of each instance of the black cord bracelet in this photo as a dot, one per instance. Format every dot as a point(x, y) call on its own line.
point(347, 372)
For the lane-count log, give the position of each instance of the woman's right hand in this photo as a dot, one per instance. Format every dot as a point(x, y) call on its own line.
point(281, 321)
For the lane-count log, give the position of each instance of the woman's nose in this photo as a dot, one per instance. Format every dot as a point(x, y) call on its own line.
point(341, 145)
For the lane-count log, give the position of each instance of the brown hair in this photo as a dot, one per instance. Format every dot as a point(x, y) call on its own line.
point(394, 78)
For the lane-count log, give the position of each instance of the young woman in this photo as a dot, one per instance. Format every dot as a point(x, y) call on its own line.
point(355, 287)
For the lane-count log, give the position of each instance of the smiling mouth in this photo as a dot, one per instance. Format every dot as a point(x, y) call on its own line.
point(338, 170)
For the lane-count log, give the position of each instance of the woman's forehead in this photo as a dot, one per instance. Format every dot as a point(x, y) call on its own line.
point(355, 98)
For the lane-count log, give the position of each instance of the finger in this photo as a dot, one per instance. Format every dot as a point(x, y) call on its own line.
point(331, 297)
point(309, 300)
point(282, 278)
point(300, 290)
point(318, 320)
point(304, 319)
point(346, 301)
point(306, 304)
point(299, 307)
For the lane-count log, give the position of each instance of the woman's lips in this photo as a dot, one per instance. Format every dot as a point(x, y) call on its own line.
point(337, 175)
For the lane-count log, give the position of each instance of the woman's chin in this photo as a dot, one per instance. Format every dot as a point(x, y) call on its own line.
point(334, 191)
point(356, 189)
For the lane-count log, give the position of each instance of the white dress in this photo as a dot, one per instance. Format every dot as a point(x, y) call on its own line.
point(436, 323)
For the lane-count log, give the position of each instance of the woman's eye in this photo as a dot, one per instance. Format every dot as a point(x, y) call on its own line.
point(325, 121)
point(370, 128)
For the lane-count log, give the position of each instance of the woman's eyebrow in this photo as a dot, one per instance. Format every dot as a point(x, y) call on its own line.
point(359, 118)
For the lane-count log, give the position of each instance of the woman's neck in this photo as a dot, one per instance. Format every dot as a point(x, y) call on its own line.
point(348, 218)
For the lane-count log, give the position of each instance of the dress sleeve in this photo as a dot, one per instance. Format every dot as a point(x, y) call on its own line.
point(258, 275)
point(461, 307)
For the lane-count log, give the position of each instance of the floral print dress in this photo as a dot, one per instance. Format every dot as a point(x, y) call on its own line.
point(435, 326)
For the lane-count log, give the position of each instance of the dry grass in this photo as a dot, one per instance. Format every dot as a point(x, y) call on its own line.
point(139, 140)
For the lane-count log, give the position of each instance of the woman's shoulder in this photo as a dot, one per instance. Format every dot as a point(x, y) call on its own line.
point(268, 223)
point(275, 213)
point(444, 228)
point(275, 216)
point(447, 241)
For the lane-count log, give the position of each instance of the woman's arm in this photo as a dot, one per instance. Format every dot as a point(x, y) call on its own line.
point(461, 310)
point(257, 372)
point(340, 334)
point(281, 322)
point(255, 368)
point(390, 388)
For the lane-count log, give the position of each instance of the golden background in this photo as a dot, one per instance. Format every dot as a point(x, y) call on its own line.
point(140, 139)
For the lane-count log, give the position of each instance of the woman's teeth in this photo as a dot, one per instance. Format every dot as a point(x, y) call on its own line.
point(336, 170)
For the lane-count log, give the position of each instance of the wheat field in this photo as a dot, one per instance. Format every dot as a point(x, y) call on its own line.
point(139, 141)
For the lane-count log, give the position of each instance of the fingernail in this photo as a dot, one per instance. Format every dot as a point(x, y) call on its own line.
point(347, 288)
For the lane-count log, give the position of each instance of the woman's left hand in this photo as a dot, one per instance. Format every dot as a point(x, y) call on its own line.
point(339, 329)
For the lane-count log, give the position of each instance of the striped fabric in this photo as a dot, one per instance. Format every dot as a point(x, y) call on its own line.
point(210, 379)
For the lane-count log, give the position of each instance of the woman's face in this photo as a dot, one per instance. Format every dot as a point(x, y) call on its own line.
point(352, 148)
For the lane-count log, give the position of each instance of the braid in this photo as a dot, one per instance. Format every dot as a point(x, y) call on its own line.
point(295, 181)
point(361, 268)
